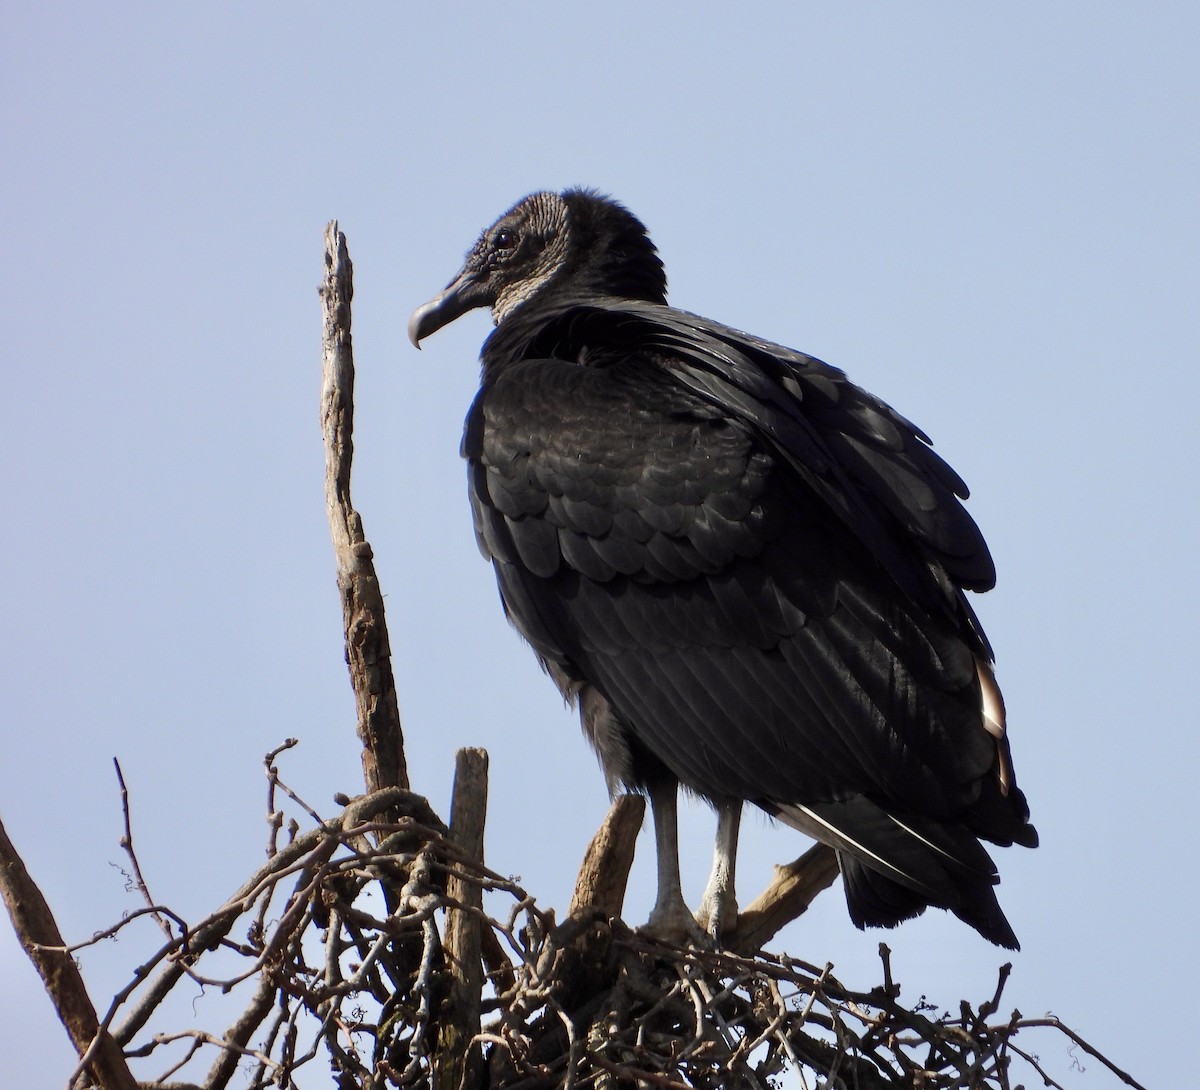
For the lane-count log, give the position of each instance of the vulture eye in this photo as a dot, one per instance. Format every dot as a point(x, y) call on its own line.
point(505, 239)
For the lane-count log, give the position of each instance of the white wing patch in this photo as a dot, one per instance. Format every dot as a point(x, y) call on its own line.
point(836, 837)
point(993, 719)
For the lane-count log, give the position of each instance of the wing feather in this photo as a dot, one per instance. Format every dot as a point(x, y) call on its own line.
point(760, 569)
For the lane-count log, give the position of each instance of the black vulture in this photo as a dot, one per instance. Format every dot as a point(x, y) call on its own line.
point(747, 572)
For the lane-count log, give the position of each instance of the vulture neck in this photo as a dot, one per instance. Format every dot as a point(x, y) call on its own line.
point(609, 252)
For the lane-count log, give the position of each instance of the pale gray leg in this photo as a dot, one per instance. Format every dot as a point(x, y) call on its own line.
point(718, 908)
point(670, 919)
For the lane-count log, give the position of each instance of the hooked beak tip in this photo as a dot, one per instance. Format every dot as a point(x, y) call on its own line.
point(462, 294)
point(414, 330)
point(427, 318)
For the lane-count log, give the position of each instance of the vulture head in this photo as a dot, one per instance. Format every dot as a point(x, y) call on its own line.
point(549, 242)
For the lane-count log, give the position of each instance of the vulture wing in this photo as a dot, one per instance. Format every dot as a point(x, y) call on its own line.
point(759, 568)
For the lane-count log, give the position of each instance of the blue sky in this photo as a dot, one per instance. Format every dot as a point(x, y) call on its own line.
point(985, 213)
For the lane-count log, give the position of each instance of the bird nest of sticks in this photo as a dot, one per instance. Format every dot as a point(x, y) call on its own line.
point(374, 944)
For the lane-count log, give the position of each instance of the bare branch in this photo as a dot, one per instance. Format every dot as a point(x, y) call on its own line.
point(41, 940)
point(604, 874)
point(368, 652)
point(1057, 1023)
point(788, 896)
point(239, 1034)
point(458, 1056)
point(127, 844)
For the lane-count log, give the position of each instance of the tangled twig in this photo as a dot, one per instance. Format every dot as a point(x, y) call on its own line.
point(362, 976)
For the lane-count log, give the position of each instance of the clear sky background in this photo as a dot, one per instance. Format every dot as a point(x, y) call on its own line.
point(987, 214)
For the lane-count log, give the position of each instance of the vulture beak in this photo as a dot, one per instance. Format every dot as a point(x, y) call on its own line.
point(466, 291)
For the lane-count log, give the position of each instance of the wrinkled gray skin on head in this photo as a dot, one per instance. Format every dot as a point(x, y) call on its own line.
point(513, 260)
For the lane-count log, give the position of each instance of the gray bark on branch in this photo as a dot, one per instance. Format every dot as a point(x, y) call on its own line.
point(41, 940)
point(604, 874)
point(459, 1060)
point(368, 653)
point(791, 891)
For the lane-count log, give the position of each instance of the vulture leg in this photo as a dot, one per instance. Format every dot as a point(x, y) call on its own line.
point(718, 907)
point(670, 919)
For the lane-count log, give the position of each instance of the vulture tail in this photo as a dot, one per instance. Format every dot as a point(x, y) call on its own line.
point(895, 865)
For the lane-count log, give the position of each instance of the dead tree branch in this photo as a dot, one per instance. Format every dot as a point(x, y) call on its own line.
point(787, 897)
point(368, 652)
point(458, 1055)
point(41, 940)
point(600, 887)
